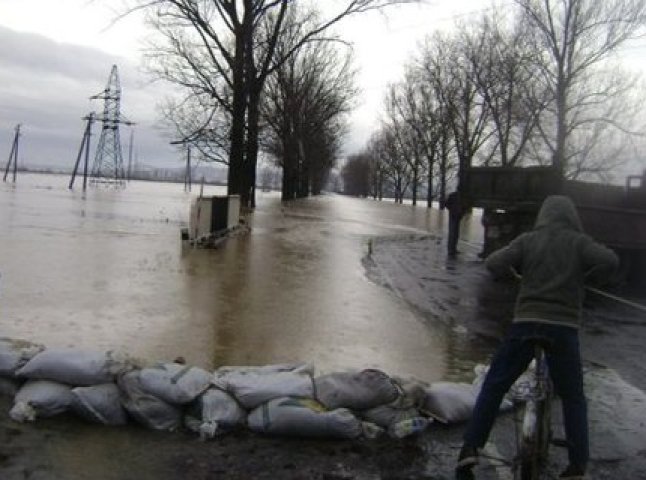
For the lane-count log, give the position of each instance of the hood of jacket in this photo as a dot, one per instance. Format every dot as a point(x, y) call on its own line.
point(558, 211)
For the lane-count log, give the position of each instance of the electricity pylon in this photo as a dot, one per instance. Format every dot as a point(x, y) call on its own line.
point(108, 160)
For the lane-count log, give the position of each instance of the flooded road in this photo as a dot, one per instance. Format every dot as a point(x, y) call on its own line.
point(107, 270)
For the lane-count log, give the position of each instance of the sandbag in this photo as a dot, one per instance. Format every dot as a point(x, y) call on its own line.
point(175, 383)
point(454, 402)
point(411, 396)
point(253, 386)
point(411, 393)
point(40, 398)
point(100, 404)
point(147, 409)
point(214, 412)
point(15, 353)
point(74, 367)
point(303, 418)
point(450, 402)
point(355, 390)
point(225, 371)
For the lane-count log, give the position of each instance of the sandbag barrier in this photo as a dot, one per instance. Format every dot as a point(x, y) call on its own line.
point(284, 399)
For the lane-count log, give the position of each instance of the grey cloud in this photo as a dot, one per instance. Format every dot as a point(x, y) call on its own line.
point(46, 85)
point(41, 55)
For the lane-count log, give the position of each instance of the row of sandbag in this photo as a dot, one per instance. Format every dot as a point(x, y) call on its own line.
point(277, 399)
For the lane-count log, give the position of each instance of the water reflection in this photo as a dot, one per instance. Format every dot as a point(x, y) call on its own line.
point(107, 269)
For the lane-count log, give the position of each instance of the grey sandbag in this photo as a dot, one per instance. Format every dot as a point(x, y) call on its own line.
point(15, 353)
point(100, 404)
point(213, 413)
point(411, 396)
point(40, 398)
point(450, 402)
point(74, 367)
point(175, 383)
point(147, 409)
point(412, 392)
point(355, 390)
point(252, 386)
point(303, 417)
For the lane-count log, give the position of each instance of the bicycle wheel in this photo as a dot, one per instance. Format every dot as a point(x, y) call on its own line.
point(535, 439)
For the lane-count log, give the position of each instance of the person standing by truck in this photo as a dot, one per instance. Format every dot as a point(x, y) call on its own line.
point(454, 205)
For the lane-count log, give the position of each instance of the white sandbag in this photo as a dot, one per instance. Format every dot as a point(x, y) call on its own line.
point(254, 387)
point(175, 383)
point(9, 387)
point(147, 409)
point(303, 418)
point(355, 390)
point(74, 367)
point(15, 353)
point(213, 413)
point(99, 403)
point(453, 402)
point(225, 371)
point(40, 398)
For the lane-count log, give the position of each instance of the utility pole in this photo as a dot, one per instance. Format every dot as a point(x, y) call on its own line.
point(129, 172)
point(13, 156)
point(85, 146)
point(187, 173)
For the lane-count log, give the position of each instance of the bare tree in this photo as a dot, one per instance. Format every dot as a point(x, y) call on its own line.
point(356, 175)
point(224, 48)
point(305, 105)
point(199, 125)
point(445, 66)
point(385, 148)
point(574, 38)
point(504, 72)
point(404, 121)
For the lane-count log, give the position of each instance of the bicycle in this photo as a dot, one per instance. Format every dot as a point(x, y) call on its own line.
point(534, 435)
point(532, 421)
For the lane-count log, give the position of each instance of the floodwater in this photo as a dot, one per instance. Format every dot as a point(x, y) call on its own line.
point(106, 269)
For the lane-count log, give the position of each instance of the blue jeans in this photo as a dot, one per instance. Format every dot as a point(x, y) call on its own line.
point(511, 360)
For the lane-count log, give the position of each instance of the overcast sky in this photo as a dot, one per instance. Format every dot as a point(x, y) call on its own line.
point(56, 54)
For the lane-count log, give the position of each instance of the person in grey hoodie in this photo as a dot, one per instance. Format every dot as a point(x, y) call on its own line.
point(554, 260)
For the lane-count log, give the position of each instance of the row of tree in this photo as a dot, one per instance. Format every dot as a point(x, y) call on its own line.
point(256, 74)
point(531, 87)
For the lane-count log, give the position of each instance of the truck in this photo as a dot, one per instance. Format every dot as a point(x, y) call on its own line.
point(614, 215)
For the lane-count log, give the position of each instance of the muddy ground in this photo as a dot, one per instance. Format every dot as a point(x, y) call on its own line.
point(414, 269)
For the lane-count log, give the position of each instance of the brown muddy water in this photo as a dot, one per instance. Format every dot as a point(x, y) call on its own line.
point(106, 269)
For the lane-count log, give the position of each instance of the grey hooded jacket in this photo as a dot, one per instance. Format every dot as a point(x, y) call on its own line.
point(554, 260)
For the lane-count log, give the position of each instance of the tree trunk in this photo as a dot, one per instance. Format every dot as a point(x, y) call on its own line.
point(251, 160)
point(558, 161)
point(236, 155)
point(415, 183)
